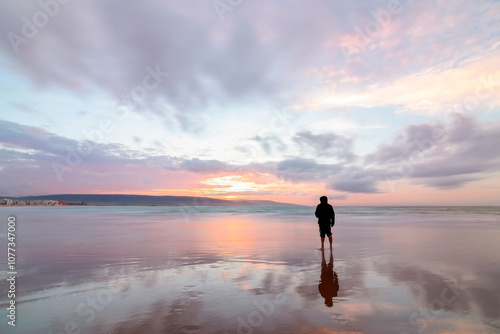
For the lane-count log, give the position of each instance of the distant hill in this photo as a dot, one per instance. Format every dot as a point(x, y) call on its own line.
point(145, 200)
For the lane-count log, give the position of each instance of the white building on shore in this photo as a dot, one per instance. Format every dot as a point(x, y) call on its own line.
point(45, 202)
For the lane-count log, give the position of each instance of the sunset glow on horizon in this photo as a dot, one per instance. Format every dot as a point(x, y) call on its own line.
point(368, 102)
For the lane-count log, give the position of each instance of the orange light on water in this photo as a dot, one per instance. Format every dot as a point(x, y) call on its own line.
point(233, 231)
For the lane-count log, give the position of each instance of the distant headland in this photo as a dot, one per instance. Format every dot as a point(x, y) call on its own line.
point(129, 200)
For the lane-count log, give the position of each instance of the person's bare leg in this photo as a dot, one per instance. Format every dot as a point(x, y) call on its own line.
point(330, 238)
point(322, 243)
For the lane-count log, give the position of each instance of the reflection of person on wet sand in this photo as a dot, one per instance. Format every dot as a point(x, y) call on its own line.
point(329, 283)
point(326, 219)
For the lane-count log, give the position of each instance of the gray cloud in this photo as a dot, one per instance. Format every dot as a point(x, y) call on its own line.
point(440, 155)
point(339, 197)
point(299, 169)
point(270, 143)
point(416, 137)
point(327, 145)
point(24, 107)
point(37, 145)
point(204, 166)
point(37, 156)
point(448, 182)
point(357, 180)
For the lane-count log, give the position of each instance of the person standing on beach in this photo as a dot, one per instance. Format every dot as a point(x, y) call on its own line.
point(326, 220)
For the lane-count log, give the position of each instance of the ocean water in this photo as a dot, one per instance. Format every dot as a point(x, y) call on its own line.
point(252, 270)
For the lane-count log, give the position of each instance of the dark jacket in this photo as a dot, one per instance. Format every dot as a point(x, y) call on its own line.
point(325, 214)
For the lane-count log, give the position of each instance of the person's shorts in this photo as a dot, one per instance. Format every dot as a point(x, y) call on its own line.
point(325, 229)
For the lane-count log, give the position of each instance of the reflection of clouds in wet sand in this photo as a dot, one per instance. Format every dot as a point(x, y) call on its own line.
point(447, 273)
point(382, 278)
point(441, 294)
point(182, 315)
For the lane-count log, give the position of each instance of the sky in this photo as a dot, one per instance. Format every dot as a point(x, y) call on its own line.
point(368, 102)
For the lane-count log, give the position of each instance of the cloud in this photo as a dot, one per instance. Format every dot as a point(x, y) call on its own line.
point(270, 143)
point(24, 107)
point(416, 137)
point(435, 154)
point(36, 144)
point(107, 47)
point(442, 155)
point(357, 180)
point(327, 145)
point(49, 163)
point(339, 197)
point(111, 47)
point(299, 169)
point(448, 182)
point(204, 166)
point(417, 61)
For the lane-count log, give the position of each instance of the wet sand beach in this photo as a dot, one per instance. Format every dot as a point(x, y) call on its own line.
point(255, 270)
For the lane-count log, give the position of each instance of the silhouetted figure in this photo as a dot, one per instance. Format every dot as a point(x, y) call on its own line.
point(326, 220)
point(329, 283)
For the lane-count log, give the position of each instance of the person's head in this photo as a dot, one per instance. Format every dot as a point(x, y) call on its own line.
point(323, 199)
